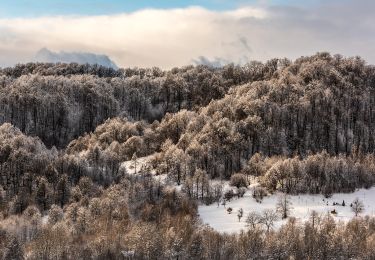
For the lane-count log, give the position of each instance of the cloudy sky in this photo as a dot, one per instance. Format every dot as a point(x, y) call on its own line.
point(170, 33)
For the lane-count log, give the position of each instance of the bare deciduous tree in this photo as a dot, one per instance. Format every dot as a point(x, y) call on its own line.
point(357, 207)
point(284, 206)
point(268, 218)
point(253, 219)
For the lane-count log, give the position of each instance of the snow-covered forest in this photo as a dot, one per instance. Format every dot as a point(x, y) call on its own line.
point(270, 160)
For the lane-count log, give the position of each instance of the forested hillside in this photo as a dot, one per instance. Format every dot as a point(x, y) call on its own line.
point(66, 130)
point(59, 102)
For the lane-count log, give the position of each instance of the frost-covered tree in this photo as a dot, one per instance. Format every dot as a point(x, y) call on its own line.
point(357, 207)
point(253, 219)
point(238, 180)
point(268, 218)
point(13, 249)
point(284, 206)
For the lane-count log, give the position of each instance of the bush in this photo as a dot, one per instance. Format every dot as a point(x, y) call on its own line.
point(241, 192)
point(259, 193)
point(238, 180)
point(228, 195)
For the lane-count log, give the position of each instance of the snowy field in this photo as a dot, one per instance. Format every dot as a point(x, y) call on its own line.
point(302, 205)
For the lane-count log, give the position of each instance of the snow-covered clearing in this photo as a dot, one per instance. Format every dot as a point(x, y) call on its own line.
point(302, 205)
point(132, 167)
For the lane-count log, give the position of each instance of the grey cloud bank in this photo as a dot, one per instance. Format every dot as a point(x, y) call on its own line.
point(45, 55)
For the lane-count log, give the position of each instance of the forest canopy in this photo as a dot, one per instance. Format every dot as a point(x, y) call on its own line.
point(67, 132)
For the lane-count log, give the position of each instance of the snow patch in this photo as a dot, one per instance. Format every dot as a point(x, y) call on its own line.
point(132, 167)
point(302, 206)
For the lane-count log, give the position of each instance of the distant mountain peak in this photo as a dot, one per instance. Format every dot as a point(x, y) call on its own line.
point(46, 55)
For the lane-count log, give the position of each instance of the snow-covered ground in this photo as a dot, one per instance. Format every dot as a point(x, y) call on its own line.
point(302, 205)
point(131, 167)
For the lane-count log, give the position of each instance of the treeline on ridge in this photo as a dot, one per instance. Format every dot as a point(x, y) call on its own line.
point(59, 102)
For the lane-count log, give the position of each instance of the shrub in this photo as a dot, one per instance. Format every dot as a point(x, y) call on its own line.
point(228, 195)
point(241, 192)
point(259, 193)
point(238, 180)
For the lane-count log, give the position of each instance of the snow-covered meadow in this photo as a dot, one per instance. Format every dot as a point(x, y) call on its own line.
point(302, 206)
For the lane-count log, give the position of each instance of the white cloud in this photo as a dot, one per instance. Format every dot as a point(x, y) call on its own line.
point(177, 37)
